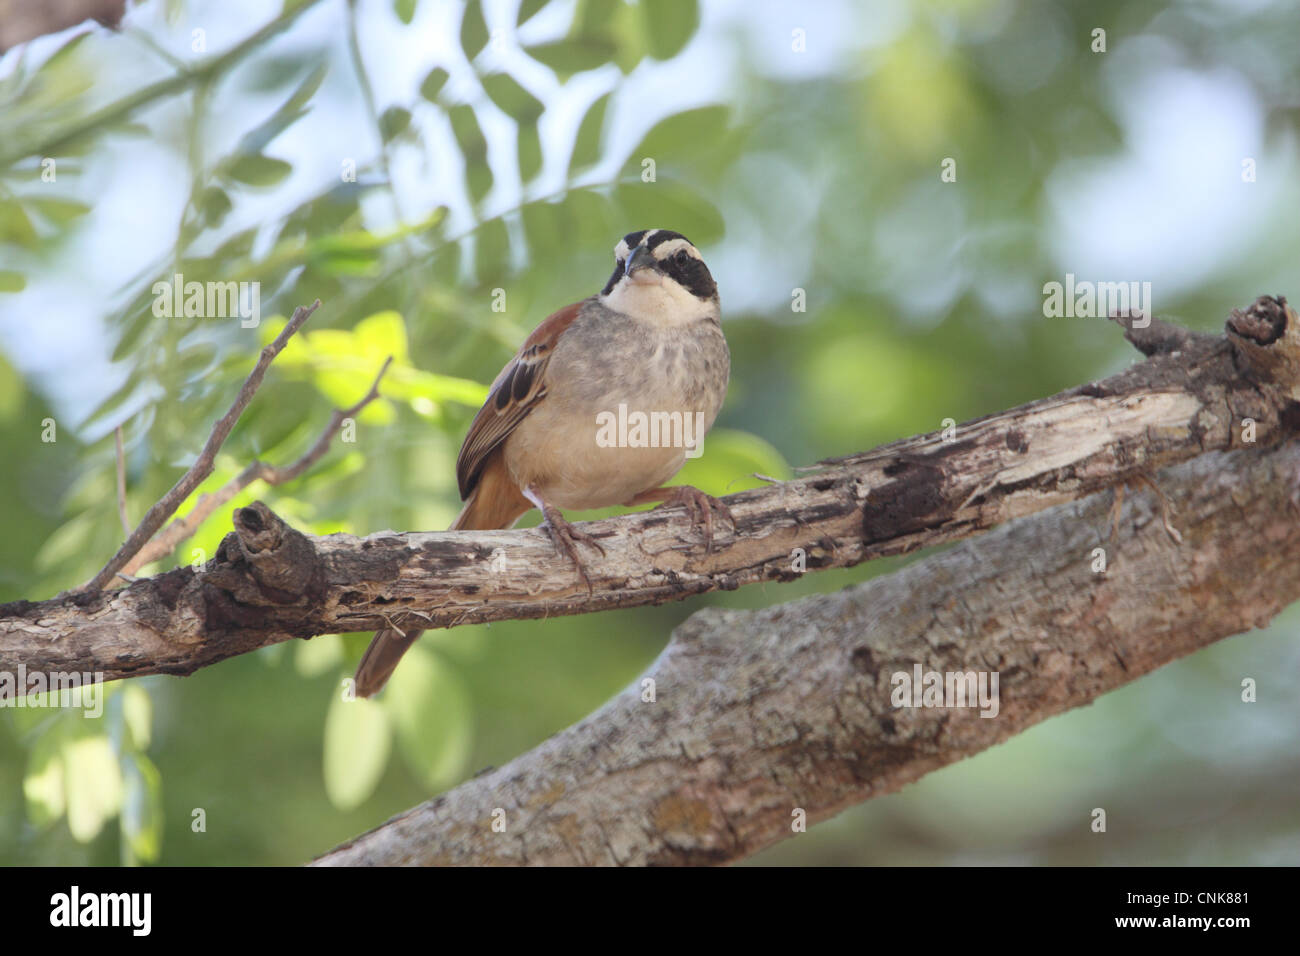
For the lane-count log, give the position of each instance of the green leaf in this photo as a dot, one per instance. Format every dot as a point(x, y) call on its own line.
point(430, 710)
point(12, 281)
point(594, 16)
point(236, 247)
point(405, 10)
point(16, 226)
point(515, 101)
point(63, 53)
point(93, 784)
point(473, 146)
point(320, 655)
point(530, 151)
point(628, 31)
point(425, 391)
point(305, 91)
point(256, 170)
point(67, 544)
point(13, 391)
point(469, 136)
point(433, 84)
point(43, 787)
point(215, 205)
point(343, 362)
point(260, 136)
point(586, 145)
point(394, 122)
point(729, 461)
point(680, 135)
point(671, 205)
point(358, 740)
point(473, 30)
point(137, 715)
point(492, 253)
point(529, 9)
point(11, 84)
point(444, 266)
point(60, 211)
point(567, 57)
point(543, 221)
point(592, 215)
point(142, 809)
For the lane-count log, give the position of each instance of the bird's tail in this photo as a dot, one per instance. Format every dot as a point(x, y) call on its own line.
point(494, 503)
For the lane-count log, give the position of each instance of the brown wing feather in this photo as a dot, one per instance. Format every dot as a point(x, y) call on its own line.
point(517, 389)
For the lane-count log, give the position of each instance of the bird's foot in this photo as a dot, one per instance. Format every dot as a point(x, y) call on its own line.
point(701, 507)
point(566, 537)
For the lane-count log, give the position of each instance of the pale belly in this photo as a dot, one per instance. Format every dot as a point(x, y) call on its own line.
point(579, 449)
point(578, 473)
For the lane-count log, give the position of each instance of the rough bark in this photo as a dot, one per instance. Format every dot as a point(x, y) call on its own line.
point(269, 583)
point(22, 20)
point(759, 715)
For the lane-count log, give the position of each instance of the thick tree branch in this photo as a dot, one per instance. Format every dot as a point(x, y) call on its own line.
point(270, 583)
point(759, 715)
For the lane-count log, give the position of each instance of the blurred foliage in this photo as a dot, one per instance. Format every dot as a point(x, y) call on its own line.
point(342, 151)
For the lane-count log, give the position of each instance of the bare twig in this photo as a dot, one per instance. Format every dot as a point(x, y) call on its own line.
point(121, 481)
point(183, 528)
point(202, 467)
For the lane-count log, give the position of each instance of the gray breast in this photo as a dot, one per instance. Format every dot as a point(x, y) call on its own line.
point(609, 358)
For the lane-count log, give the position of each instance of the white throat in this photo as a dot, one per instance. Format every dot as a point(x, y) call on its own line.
point(658, 300)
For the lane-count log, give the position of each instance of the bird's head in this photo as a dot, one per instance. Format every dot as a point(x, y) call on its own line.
point(660, 276)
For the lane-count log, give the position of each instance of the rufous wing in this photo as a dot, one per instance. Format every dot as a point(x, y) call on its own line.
point(516, 391)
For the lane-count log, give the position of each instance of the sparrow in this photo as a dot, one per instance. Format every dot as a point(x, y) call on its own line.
point(649, 342)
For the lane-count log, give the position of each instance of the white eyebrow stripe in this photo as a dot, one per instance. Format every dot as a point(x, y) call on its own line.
point(621, 250)
point(666, 250)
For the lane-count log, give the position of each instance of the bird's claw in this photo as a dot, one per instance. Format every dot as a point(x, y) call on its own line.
point(702, 508)
point(566, 538)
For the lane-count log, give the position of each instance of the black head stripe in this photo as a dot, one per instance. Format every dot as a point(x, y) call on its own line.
point(691, 274)
point(613, 279)
point(633, 239)
point(662, 236)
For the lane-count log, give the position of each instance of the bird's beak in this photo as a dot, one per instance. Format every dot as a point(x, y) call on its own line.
point(641, 258)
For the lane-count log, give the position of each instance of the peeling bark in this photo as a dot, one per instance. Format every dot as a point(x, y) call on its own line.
point(270, 583)
point(759, 714)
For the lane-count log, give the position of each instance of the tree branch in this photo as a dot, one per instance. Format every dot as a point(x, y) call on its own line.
point(182, 528)
point(121, 480)
point(202, 467)
point(20, 22)
point(271, 583)
point(117, 111)
point(759, 715)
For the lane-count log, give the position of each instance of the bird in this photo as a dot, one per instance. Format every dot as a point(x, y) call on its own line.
point(650, 342)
